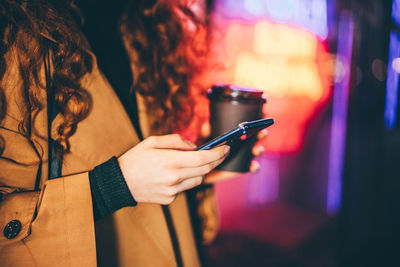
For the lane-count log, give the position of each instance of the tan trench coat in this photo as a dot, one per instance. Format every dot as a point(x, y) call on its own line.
point(57, 221)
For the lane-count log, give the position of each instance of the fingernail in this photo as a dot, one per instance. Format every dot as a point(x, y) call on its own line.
point(255, 166)
point(189, 143)
point(227, 149)
point(260, 149)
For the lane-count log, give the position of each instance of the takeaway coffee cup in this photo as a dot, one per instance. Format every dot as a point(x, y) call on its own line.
point(229, 106)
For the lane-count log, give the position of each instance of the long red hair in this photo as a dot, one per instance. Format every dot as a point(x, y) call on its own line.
point(169, 48)
point(31, 31)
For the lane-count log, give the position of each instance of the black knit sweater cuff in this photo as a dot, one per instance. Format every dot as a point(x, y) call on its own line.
point(109, 189)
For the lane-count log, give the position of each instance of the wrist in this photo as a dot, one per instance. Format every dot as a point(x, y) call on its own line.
point(109, 188)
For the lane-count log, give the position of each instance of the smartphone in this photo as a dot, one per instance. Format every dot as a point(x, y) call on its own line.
point(246, 129)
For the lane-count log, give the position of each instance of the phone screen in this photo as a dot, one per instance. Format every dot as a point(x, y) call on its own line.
point(244, 128)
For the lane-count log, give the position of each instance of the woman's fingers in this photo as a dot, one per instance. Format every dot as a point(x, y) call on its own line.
point(257, 150)
point(170, 141)
point(262, 134)
point(205, 130)
point(189, 173)
point(192, 159)
point(187, 184)
point(254, 166)
point(218, 176)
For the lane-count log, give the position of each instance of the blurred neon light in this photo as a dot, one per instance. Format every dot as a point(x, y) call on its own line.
point(286, 62)
point(284, 36)
point(396, 11)
point(263, 186)
point(339, 113)
point(282, 62)
point(392, 81)
point(309, 14)
point(256, 8)
point(279, 79)
point(396, 64)
point(276, 46)
point(282, 10)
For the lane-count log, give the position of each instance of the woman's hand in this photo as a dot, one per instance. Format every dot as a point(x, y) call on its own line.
point(159, 168)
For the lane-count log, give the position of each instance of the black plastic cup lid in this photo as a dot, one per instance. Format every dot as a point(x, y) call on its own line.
point(229, 92)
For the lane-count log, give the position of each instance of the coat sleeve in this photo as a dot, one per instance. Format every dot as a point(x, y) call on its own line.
point(55, 223)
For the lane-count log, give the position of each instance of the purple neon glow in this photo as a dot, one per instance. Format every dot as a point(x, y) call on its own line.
point(264, 184)
point(309, 14)
point(256, 8)
point(392, 82)
point(396, 11)
point(339, 113)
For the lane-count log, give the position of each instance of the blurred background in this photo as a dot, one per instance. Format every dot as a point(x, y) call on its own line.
point(328, 189)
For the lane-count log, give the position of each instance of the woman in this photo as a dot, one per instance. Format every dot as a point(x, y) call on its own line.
point(103, 174)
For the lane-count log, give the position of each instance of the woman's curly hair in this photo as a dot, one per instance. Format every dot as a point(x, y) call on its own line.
point(166, 37)
point(169, 48)
point(34, 31)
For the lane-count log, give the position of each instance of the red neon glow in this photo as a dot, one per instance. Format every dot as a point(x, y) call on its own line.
point(287, 63)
